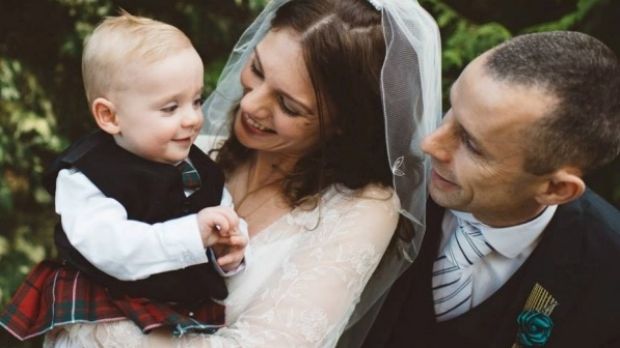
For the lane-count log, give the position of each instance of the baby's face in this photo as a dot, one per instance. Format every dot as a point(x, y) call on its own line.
point(159, 114)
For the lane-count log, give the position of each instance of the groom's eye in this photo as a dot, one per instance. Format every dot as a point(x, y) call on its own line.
point(468, 142)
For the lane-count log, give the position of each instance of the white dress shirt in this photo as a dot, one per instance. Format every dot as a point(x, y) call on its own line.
point(98, 227)
point(512, 246)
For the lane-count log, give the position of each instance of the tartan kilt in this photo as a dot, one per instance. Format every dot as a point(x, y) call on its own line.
point(54, 294)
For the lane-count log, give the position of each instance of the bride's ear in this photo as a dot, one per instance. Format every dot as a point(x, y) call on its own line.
point(104, 113)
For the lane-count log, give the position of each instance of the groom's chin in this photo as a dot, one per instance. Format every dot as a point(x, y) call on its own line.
point(446, 198)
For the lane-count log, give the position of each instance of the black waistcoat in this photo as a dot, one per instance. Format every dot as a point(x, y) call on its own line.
point(476, 328)
point(151, 192)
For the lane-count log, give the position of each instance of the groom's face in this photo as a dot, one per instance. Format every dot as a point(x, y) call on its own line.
point(478, 151)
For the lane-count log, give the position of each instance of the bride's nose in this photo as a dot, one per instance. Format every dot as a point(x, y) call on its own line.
point(256, 101)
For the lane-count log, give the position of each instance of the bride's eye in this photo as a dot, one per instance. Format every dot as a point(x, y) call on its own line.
point(287, 108)
point(255, 69)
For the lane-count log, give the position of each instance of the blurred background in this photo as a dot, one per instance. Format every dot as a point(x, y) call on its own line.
point(43, 107)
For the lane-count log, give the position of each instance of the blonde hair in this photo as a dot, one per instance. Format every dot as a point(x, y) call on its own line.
point(117, 41)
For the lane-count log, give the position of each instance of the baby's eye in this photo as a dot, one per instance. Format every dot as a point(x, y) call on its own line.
point(169, 109)
point(198, 101)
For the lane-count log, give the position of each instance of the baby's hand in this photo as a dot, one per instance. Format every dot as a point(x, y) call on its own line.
point(217, 225)
point(230, 251)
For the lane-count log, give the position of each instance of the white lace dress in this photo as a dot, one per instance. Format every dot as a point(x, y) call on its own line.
point(305, 275)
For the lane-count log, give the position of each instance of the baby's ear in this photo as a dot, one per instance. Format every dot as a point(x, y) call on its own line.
point(105, 115)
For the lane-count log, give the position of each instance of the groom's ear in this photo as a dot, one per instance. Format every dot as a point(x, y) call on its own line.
point(104, 113)
point(562, 186)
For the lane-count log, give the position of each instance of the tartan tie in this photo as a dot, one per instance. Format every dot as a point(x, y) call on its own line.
point(452, 271)
point(191, 178)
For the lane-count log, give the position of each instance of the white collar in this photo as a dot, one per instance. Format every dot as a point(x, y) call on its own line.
point(511, 241)
point(186, 159)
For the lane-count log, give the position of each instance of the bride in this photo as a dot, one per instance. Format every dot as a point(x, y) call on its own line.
point(325, 102)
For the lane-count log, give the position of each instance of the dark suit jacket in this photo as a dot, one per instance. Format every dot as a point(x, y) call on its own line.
point(577, 261)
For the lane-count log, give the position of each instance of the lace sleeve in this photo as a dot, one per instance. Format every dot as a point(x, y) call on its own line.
point(307, 302)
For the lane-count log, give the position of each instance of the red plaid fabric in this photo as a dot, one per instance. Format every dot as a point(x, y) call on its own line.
point(54, 294)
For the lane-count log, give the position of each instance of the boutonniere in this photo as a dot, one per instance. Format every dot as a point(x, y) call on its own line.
point(534, 322)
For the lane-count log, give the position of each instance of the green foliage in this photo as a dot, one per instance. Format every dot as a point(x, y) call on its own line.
point(463, 40)
point(569, 21)
point(254, 5)
point(27, 134)
point(469, 40)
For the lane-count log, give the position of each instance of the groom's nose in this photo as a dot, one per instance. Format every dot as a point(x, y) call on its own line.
point(440, 144)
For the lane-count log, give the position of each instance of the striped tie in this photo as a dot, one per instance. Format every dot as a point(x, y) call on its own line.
point(452, 271)
point(191, 178)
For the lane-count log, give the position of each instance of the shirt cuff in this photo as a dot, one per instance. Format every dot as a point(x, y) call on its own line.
point(219, 270)
point(181, 238)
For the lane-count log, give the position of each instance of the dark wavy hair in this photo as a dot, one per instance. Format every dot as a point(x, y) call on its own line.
point(343, 47)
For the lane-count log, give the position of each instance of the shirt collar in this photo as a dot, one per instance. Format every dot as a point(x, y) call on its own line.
point(511, 241)
point(184, 160)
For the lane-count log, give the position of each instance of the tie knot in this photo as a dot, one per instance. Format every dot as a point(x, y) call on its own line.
point(452, 274)
point(189, 175)
point(467, 244)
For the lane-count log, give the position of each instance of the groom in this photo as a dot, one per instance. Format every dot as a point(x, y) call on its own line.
point(519, 253)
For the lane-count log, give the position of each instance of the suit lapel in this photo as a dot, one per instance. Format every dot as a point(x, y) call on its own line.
point(397, 317)
point(556, 265)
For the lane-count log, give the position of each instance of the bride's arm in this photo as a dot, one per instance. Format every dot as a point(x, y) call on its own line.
point(308, 301)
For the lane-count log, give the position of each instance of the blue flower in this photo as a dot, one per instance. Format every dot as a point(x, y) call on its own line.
point(534, 328)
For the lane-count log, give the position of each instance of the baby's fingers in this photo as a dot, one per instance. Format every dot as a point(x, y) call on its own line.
point(230, 259)
point(232, 220)
point(237, 241)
